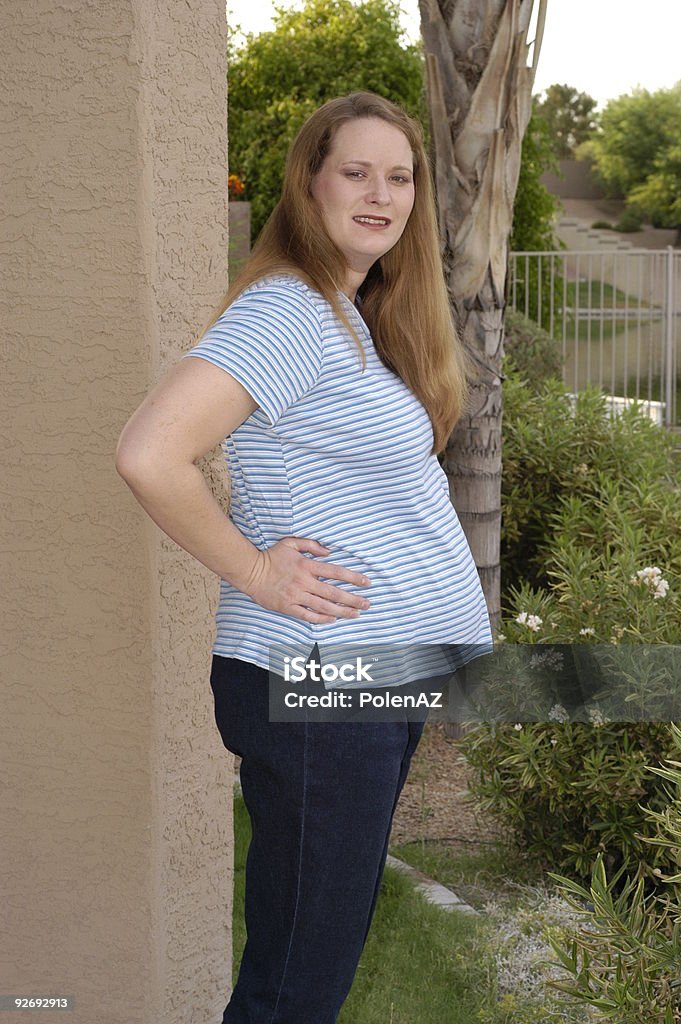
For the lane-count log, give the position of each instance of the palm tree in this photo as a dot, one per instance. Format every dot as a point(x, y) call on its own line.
point(480, 99)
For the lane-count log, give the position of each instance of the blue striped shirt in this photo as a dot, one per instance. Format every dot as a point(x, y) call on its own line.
point(342, 456)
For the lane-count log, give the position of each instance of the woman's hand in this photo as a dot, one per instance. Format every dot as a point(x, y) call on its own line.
point(284, 580)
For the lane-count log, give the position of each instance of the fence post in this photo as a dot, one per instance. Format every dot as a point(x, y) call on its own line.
point(670, 382)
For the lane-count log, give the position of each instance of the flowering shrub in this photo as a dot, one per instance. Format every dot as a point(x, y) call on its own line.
point(564, 792)
point(625, 959)
point(567, 791)
point(236, 187)
point(568, 469)
point(602, 585)
point(591, 571)
point(651, 577)
point(603, 537)
point(592, 523)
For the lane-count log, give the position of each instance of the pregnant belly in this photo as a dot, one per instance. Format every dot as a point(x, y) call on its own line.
point(425, 595)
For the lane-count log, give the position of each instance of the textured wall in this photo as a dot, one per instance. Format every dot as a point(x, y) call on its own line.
point(576, 180)
point(116, 840)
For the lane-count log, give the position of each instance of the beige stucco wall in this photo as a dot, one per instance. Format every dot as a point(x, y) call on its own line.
point(116, 800)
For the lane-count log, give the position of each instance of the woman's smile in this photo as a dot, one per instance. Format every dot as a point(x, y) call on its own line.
point(369, 221)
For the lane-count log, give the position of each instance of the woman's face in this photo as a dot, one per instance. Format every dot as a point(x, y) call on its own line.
point(365, 191)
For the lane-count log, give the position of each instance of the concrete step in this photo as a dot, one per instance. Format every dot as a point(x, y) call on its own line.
point(431, 890)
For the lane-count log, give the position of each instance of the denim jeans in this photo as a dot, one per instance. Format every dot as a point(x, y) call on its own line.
point(321, 798)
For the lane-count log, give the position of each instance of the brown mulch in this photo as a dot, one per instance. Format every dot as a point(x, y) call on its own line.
point(432, 804)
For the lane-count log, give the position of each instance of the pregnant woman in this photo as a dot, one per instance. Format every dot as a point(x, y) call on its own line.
point(333, 376)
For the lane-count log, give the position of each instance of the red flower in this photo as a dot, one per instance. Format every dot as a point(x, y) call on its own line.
point(235, 186)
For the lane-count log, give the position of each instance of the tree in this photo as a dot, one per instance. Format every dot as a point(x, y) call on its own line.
point(480, 101)
point(535, 207)
point(533, 228)
point(637, 152)
point(659, 196)
point(570, 116)
point(634, 129)
point(276, 79)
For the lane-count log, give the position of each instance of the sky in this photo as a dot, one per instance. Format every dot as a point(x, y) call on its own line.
point(602, 47)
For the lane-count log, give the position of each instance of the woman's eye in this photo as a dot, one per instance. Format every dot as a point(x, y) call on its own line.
point(400, 179)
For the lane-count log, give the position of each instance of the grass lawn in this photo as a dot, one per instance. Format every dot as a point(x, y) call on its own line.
point(421, 963)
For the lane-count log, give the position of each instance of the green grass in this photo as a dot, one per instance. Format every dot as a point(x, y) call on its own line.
point(585, 295)
point(490, 873)
point(420, 963)
point(613, 332)
point(242, 837)
point(600, 293)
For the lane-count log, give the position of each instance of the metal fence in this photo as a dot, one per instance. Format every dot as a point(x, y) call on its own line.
point(618, 316)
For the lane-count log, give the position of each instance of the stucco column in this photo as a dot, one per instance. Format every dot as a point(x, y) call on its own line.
point(116, 850)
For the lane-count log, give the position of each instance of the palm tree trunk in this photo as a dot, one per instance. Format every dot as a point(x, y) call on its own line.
point(480, 101)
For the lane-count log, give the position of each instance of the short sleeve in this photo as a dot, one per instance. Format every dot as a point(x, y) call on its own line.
point(270, 340)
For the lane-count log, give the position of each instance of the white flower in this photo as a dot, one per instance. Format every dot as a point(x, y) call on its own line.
point(553, 741)
point(500, 637)
point(596, 716)
point(582, 468)
point(554, 659)
point(587, 631)
point(531, 621)
point(518, 725)
point(558, 713)
point(549, 657)
point(651, 577)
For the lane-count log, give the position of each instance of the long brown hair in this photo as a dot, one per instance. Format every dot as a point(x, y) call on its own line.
point(404, 296)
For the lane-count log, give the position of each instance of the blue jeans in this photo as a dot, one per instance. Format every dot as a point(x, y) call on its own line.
point(321, 798)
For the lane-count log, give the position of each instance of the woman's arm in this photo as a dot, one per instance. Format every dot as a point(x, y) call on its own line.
point(184, 417)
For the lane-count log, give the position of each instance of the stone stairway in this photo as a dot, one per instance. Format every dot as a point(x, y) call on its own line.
point(579, 236)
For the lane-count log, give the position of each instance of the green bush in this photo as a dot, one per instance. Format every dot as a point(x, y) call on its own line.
point(533, 352)
point(570, 473)
point(591, 555)
point(630, 220)
point(534, 207)
point(614, 567)
point(565, 792)
point(626, 959)
point(313, 52)
point(605, 224)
